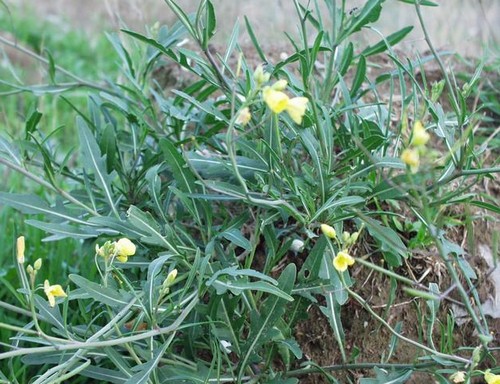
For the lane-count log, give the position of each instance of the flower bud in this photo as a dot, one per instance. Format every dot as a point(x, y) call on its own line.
point(20, 249)
point(38, 264)
point(419, 135)
point(260, 76)
point(280, 85)
point(328, 231)
point(244, 116)
point(458, 377)
point(411, 158)
point(29, 270)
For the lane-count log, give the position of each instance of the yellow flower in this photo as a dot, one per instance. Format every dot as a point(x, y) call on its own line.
point(124, 248)
point(20, 249)
point(53, 291)
point(411, 158)
point(296, 108)
point(458, 377)
point(244, 116)
point(277, 101)
point(342, 261)
point(491, 378)
point(419, 135)
point(328, 231)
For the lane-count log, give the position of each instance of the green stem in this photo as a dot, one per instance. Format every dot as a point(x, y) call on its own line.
point(342, 367)
point(76, 345)
point(47, 185)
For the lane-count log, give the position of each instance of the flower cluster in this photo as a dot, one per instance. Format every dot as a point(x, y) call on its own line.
point(411, 155)
point(343, 259)
point(121, 250)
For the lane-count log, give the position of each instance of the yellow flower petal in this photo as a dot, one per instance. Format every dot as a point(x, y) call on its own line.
point(419, 135)
point(296, 108)
point(491, 378)
point(342, 261)
point(277, 101)
point(122, 258)
point(124, 247)
point(53, 291)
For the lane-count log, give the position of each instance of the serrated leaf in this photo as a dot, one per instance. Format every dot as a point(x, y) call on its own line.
point(100, 293)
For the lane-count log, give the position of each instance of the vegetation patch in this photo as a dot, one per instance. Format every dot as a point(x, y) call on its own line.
point(313, 212)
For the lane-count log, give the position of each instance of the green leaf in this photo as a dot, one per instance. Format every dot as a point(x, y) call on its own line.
point(149, 228)
point(359, 77)
point(334, 202)
point(333, 297)
point(102, 294)
point(95, 163)
point(32, 204)
point(235, 237)
point(62, 231)
point(421, 2)
point(368, 14)
point(104, 375)
point(270, 312)
point(211, 23)
point(388, 377)
point(488, 206)
point(391, 244)
point(32, 122)
point(238, 286)
point(255, 42)
point(150, 288)
point(146, 369)
point(184, 19)
point(389, 41)
point(49, 314)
